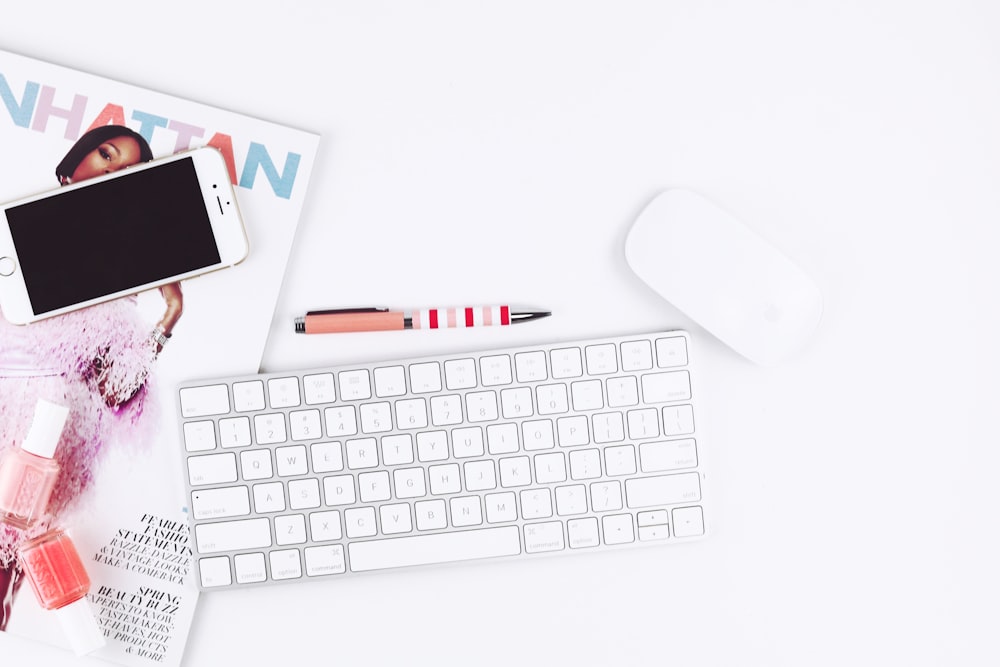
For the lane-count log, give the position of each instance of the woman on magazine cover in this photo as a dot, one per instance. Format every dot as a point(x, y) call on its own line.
point(96, 361)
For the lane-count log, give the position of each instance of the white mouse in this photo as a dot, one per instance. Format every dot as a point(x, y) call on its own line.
point(724, 276)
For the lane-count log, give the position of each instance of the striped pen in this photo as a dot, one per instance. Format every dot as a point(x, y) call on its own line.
point(382, 319)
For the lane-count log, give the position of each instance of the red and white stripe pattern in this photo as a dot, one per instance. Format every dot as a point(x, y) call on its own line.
point(461, 318)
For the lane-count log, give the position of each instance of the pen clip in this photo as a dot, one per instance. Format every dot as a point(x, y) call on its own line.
point(344, 311)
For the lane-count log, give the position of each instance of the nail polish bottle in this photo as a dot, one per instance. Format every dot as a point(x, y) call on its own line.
point(28, 473)
point(55, 571)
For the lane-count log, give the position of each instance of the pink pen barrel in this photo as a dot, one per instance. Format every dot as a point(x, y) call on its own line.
point(348, 322)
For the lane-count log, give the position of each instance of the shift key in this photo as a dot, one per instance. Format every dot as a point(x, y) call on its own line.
point(232, 535)
point(663, 490)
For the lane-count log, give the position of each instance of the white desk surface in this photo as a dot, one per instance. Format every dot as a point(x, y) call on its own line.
point(487, 152)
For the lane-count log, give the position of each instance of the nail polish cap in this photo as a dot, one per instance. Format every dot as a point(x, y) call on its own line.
point(80, 626)
point(46, 427)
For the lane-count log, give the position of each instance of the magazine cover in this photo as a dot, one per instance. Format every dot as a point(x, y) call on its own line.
point(119, 491)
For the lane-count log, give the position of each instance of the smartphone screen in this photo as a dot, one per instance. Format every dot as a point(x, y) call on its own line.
point(112, 236)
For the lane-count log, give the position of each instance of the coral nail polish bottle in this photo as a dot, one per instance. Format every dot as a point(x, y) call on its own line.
point(28, 473)
point(55, 571)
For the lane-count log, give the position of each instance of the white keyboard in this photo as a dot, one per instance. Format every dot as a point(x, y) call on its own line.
point(564, 448)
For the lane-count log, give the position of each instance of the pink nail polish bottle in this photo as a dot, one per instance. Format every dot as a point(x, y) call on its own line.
point(55, 571)
point(28, 473)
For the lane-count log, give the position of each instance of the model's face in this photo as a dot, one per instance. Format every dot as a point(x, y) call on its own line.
point(112, 155)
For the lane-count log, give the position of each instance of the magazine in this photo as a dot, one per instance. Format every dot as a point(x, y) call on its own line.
point(120, 492)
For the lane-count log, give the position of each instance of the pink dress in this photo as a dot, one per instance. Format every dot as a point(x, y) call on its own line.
point(54, 359)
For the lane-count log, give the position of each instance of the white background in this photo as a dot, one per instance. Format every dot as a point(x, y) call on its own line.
point(484, 152)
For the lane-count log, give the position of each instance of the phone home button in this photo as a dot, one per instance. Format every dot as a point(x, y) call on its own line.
point(7, 266)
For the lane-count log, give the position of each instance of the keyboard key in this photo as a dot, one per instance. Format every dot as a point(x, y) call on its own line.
point(425, 378)
point(502, 438)
point(688, 521)
point(360, 522)
point(587, 395)
point(550, 468)
point(270, 428)
point(395, 518)
point(438, 548)
point(495, 370)
point(643, 424)
point(248, 396)
point(215, 571)
point(466, 511)
point(319, 388)
point(283, 392)
point(235, 432)
point(285, 564)
point(397, 449)
point(362, 453)
point(618, 529)
point(537, 434)
point(250, 568)
point(582, 533)
point(571, 500)
point(256, 464)
point(601, 359)
point(354, 385)
point(325, 560)
point(637, 355)
point(567, 362)
point(431, 514)
point(390, 381)
point(622, 392)
point(289, 529)
point(459, 374)
point(663, 490)
point(574, 431)
point(269, 497)
point(212, 469)
point(376, 417)
point(199, 436)
point(327, 457)
point(669, 455)
point(339, 490)
point(220, 503)
point(678, 420)
point(204, 401)
point(304, 425)
point(341, 421)
point(540, 537)
point(671, 352)
point(236, 535)
point(446, 410)
point(666, 387)
point(530, 366)
point(324, 526)
point(467, 442)
point(536, 504)
point(409, 483)
point(432, 446)
point(291, 460)
point(411, 413)
point(303, 494)
point(481, 406)
point(552, 399)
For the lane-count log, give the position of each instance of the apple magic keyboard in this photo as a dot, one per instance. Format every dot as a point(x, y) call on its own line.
point(570, 447)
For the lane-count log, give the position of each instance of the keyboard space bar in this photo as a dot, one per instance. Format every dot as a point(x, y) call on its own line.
point(437, 548)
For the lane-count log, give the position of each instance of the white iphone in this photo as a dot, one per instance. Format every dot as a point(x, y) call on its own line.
point(118, 234)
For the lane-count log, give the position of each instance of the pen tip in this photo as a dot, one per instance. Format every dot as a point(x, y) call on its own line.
point(516, 318)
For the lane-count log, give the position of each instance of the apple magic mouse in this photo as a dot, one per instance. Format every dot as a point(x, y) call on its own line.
point(724, 276)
